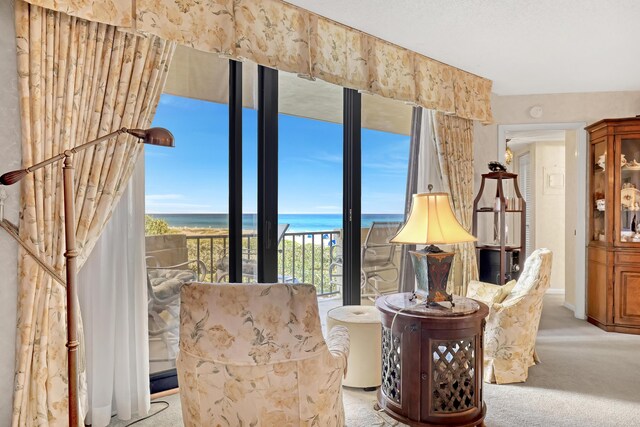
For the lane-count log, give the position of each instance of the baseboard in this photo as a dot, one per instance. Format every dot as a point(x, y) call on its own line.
point(165, 393)
point(555, 291)
point(569, 306)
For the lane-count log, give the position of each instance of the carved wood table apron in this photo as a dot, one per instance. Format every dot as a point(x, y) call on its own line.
point(432, 361)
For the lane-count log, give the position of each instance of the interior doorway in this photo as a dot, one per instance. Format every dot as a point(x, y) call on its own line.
point(551, 161)
point(539, 158)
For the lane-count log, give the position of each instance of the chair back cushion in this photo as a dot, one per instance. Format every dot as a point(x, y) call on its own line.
point(534, 279)
point(250, 324)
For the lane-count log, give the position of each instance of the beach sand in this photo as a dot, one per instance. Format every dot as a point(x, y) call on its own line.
point(189, 231)
point(317, 240)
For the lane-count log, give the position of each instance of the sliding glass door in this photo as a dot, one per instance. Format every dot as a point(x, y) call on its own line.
point(249, 210)
point(265, 185)
point(187, 210)
point(310, 166)
point(386, 126)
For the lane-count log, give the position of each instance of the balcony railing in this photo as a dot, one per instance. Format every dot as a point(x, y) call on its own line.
point(303, 257)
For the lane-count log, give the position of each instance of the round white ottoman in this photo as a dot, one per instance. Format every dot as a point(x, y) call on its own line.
point(365, 333)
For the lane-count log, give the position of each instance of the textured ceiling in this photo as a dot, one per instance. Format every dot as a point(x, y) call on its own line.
point(524, 46)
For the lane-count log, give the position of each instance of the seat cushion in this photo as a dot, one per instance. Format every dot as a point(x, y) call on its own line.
point(166, 283)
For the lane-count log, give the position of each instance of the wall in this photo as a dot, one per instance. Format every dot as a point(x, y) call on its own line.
point(570, 201)
point(549, 207)
point(9, 160)
point(557, 108)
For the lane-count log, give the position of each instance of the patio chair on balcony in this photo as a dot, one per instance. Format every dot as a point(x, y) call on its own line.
point(379, 266)
point(378, 263)
point(335, 265)
point(250, 263)
point(163, 289)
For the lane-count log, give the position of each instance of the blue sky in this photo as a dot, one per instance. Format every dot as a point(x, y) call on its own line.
point(193, 176)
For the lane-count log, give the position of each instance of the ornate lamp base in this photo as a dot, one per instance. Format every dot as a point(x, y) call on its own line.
point(432, 266)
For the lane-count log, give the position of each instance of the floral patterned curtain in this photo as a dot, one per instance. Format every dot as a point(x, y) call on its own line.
point(279, 35)
point(455, 153)
point(77, 80)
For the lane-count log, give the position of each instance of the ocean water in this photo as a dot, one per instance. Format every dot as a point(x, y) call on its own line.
point(297, 222)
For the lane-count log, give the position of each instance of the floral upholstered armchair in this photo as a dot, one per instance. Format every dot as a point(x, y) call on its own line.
point(514, 317)
point(254, 355)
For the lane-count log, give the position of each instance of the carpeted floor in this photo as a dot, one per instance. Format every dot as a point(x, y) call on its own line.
point(587, 378)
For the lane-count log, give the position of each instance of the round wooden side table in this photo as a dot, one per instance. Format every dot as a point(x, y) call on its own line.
point(432, 361)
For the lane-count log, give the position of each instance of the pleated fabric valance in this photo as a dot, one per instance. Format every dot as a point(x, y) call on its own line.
point(282, 36)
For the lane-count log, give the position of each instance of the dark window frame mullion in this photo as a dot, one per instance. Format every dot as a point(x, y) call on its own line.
point(235, 171)
point(267, 175)
point(352, 192)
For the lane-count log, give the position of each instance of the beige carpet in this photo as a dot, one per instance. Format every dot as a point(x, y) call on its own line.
point(587, 378)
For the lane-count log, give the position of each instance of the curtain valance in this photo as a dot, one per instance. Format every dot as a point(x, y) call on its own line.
point(276, 34)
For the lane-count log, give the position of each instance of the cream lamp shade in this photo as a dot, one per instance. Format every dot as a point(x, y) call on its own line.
point(432, 222)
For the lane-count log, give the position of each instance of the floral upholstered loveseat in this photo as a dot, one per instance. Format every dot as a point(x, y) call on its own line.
point(514, 317)
point(254, 355)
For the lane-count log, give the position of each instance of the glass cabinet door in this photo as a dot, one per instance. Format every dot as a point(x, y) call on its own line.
point(598, 186)
point(629, 169)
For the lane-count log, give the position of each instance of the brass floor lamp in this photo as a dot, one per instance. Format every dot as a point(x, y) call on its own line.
point(153, 136)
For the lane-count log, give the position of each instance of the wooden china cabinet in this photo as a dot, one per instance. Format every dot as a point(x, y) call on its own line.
point(613, 293)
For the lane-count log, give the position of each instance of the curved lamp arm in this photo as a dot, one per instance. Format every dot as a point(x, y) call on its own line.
point(153, 136)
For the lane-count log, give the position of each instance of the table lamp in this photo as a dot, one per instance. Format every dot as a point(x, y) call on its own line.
point(153, 136)
point(432, 222)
